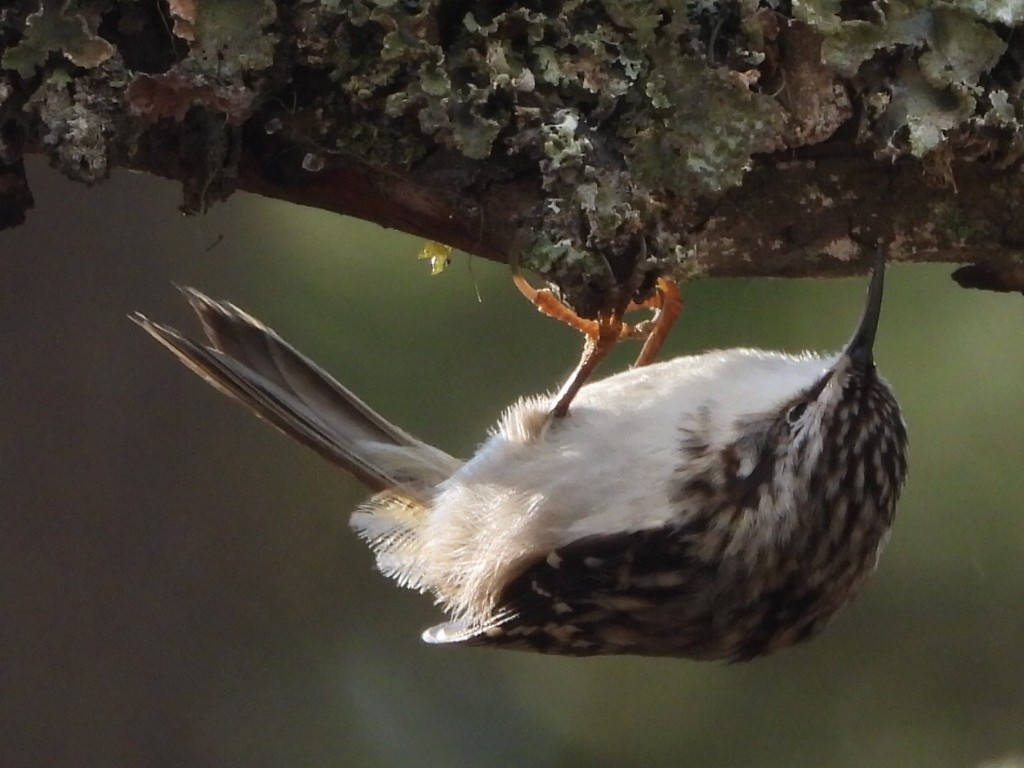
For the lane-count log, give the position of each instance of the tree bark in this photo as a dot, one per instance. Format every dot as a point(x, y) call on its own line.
point(597, 142)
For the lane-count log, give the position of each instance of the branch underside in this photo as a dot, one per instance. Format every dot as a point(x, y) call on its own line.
point(779, 223)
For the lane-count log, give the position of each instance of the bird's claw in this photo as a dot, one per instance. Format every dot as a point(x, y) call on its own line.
point(608, 329)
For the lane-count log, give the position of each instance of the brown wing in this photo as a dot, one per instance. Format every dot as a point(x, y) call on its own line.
point(639, 593)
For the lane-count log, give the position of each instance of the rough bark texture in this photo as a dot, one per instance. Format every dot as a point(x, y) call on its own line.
point(598, 142)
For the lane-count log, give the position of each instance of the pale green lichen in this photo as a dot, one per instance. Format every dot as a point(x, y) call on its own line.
point(57, 27)
point(948, 51)
point(823, 15)
point(961, 49)
point(78, 127)
point(233, 37)
point(580, 269)
point(704, 125)
point(1003, 111)
point(1008, 12)
point(565, 146)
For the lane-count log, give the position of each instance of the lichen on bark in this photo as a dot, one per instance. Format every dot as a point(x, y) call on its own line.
point(598, 142)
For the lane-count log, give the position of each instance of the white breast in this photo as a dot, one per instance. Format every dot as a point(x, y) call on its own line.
point(537, 484)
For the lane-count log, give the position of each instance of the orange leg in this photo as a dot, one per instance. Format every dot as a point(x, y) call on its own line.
point(606, 331)
point(667, 304)
point(548, 304)
point(609, 331)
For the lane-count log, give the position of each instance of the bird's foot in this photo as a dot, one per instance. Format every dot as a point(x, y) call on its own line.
point(607, 330)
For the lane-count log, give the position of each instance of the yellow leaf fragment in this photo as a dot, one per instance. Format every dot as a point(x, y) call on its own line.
point(440, 256)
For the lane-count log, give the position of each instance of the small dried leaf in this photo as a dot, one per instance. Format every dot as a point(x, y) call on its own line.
point(440, 256)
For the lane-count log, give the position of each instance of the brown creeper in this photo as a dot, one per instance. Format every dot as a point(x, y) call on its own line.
point(721, 505)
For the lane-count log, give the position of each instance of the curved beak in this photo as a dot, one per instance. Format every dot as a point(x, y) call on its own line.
point(859, 347)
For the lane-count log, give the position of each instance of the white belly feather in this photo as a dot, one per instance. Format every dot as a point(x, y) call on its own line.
point(537, 484)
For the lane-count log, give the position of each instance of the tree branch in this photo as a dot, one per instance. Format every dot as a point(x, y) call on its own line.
point(598, 143)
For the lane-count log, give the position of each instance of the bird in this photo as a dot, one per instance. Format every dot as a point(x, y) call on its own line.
point(715, 506)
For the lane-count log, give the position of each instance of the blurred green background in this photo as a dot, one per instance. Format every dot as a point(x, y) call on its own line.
point(179, 587)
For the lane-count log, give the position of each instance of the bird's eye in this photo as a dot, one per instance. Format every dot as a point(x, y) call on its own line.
point(796, 412)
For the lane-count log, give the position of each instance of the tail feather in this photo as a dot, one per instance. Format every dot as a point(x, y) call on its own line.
point(250, 363)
